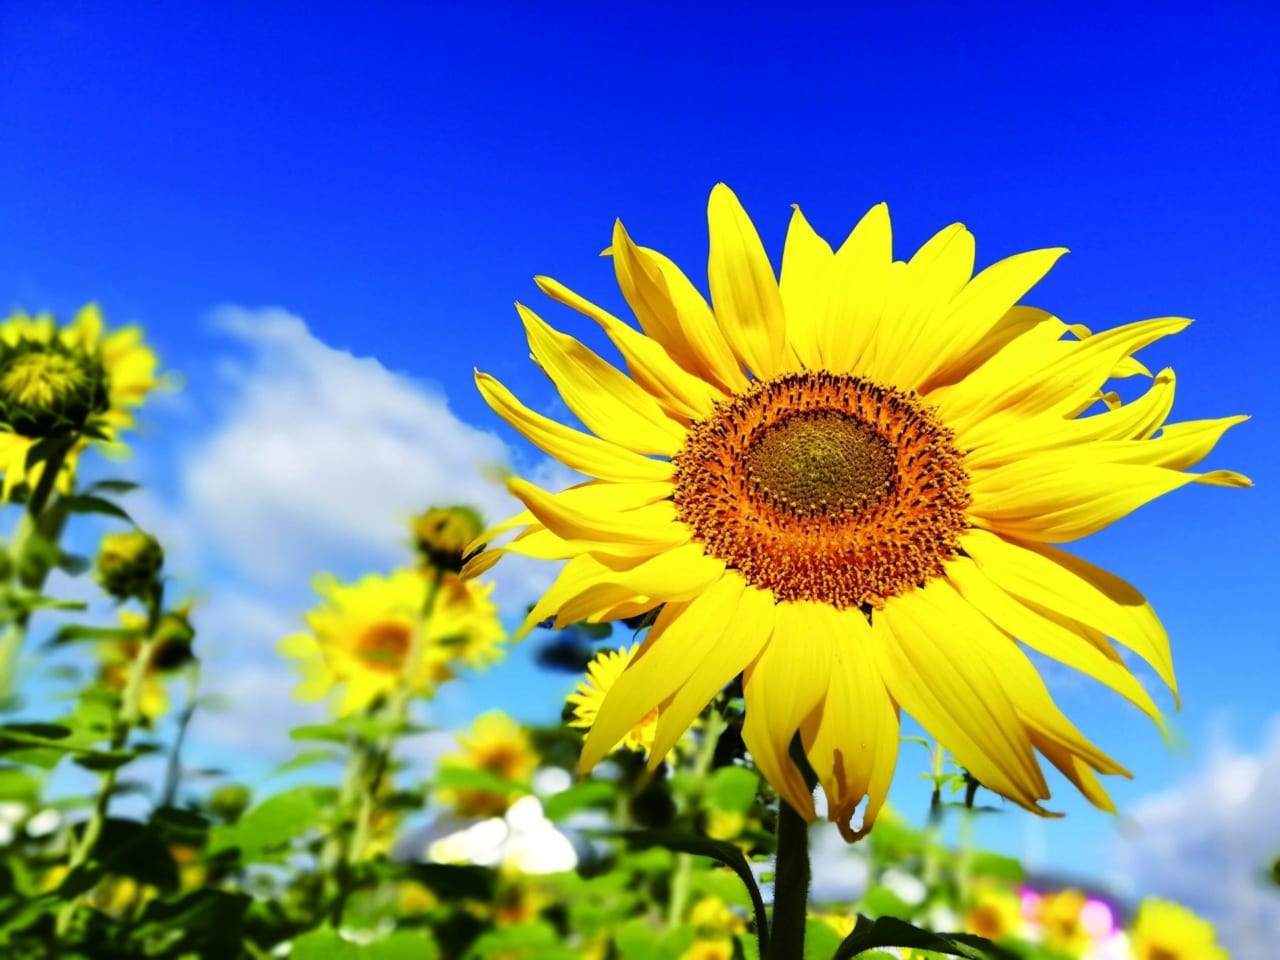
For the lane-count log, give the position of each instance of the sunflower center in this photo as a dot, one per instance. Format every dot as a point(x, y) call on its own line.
point(1161, 953)
point(384, 646)
point(820, 463)
point(826, 487)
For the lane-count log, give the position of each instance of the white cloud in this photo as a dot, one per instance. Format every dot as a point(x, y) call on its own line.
point(1207, 842)
point(323, 453)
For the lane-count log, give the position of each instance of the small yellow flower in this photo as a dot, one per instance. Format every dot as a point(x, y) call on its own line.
point(414, 898)
point(1168, 931)
point(496, 744)
point(724, 824)
point(1060, 917)
point(361, 637)
point(602, 673)
point(841, 923)
point(55, 380)
point(720, 948)
point(995, 914)
point(714, 919)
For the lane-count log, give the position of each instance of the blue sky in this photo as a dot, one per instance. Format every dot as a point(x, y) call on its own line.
point(396, 178)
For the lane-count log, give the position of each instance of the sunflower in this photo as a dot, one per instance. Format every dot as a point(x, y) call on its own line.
point(495, 745)
point(996, 913)
point(361, 636)
point(602, 672)
point(846, 486)
point(1167, 931)
point(67, 379)
point(1060, 917)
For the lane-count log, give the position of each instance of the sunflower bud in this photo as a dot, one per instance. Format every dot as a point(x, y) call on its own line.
point(441, 536)
point(230, 800)
point(172, 645)
point(129, 564)
point(49, 388)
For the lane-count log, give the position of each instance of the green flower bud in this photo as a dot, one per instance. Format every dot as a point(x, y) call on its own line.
point(49, 388)
point(129, 564)
point(441, 536)
point(230, 800)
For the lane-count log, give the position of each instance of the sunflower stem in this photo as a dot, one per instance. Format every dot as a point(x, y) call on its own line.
point(127, 714)
point(702, 761)
point(36, 523)
point(173, 767)
point(791, 872)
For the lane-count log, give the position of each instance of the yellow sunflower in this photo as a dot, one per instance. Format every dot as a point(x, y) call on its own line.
point(602, 673)
point(1167, 931)
point(845, 485)
point(495, 744)
point(360, 636)
point(996, 913)
point(1060, 917)
point(66, 379)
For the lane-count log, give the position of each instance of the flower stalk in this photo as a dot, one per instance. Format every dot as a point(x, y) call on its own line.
point(791, 873)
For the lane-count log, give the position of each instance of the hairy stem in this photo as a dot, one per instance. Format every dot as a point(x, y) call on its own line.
point(791, 873)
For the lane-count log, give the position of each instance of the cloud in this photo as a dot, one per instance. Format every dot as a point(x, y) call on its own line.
point(1207, 842)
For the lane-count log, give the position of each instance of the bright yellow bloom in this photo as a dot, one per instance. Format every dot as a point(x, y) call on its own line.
point(845, 486)
point(996, 913)
point(841, 923)
point(602, 673)
point(714, 919)
point(361, 635)
point(1167, 931)
point(495, 744)
point(718, 948)
point(1060, 918)
point(54, 379)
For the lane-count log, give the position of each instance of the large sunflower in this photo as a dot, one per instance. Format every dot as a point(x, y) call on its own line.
point(70, 378)
point(844, 485)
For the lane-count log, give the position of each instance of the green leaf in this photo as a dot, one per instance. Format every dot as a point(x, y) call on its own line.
point(883, 902)
point(211, 922)
point(271, 824)
point(463, 778)
point(112, 486)
point(130, 849)
point(323, 945)
point(820, 940)
point(636, 940)
point(18, 785)
point(869, 934)
point(733, 789)
point(984, 864)
point(88, 503)
point(308, 758)
point(185, 823)
point(589, 793)
point(402, 945)
point(450, 881)
point(74, 633)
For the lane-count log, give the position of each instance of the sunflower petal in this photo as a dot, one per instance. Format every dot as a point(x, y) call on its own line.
point(956, 695)
point(860, 278)
point(806, 258)
point(575, 449)
point(602, 397)
point(744, 290)
point(655, 523)
point(745, 631)
point(852, 739)
point(782, 687)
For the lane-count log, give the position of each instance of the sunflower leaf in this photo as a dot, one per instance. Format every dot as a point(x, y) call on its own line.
point(88, 503)
point(870, 934)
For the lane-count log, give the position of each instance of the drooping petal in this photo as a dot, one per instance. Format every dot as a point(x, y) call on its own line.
point(782, 687)
point(955, 693)
point(744, 290)
point(581, 451)
point(852, 739)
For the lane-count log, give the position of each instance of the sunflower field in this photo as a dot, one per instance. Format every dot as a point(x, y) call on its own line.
point(821, 499)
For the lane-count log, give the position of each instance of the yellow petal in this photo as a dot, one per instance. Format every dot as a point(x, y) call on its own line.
point(860, 281)
point(744, 290)
point(655, 523)
point(745, 631)
point(1048, 636)
point(926, 640)
point(575, 449)
point(954, 330)
point(784, 684)
point(602, 397)
point(680, 638)
point(806, 258)
point(673, 312)
point(681, 393)
point(852, 739)
point(1065, 584)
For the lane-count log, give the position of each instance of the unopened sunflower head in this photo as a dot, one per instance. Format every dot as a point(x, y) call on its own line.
point(846, 484)
point(441, 536)
point(129, 564)
point(71, 381)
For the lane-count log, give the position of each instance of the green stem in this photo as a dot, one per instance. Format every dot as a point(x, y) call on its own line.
point(791, 873)
point(173, 769)
point(931, 870)
point(127, 715)
point(377, 756)
point(702, 761)
point(33, 525)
